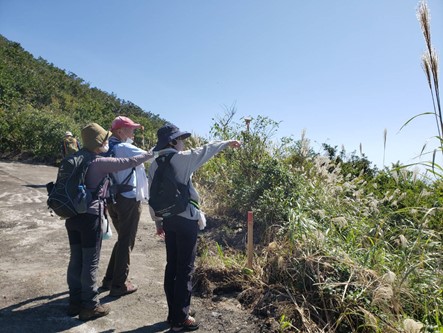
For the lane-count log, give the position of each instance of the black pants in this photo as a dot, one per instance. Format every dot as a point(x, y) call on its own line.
point(181, 249)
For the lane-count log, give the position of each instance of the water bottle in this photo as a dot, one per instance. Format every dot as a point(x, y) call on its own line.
point(81, 203)
point(106, 229)
point(81, 192)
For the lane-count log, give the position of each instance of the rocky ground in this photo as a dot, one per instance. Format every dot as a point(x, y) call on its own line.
point(34, 256)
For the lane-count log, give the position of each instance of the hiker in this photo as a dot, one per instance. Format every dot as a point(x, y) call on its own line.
point(69, 145)
point(125, 208)
point(180, 231)
point(84, 230)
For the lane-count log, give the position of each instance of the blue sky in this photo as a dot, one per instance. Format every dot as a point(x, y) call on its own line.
point(342, 70)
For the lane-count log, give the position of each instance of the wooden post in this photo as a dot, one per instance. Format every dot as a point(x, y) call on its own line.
point(250, 239)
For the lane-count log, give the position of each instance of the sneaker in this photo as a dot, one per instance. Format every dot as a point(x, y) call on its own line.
point(74, 309)
point(191, 313)
point(97, 312)
point(106, 286)
point(127, 289)
point(190, 324)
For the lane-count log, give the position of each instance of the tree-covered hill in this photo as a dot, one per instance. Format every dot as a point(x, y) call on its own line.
point(39, 102)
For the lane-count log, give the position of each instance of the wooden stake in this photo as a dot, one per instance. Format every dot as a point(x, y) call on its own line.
point(250, 239)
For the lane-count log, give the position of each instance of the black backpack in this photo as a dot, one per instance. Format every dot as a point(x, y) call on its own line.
point(68, 196)
point(167, 196)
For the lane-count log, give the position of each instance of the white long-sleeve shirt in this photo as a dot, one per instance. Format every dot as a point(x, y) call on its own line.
point(128, 150)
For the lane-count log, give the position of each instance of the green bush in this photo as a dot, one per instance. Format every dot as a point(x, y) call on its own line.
point(39, 102)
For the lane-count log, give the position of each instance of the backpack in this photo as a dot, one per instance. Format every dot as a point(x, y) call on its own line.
point(70, 145)
point(167, 196)
point(117, 188)
point(68, 196)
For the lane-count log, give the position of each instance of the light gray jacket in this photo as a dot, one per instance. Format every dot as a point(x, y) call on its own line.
point(185, 163)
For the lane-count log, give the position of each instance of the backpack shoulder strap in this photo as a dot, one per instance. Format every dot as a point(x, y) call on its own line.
point(128, 177)
point(87, 160)
point(162, 162)
point(100, 185)
point(88, 156)
point(163, 159)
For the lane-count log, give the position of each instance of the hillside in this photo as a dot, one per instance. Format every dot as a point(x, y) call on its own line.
point(39, 102)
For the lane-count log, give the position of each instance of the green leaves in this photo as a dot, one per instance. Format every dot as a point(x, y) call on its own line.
point(39, 102)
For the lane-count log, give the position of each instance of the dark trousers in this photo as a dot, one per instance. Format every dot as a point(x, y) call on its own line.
point(181, 249)
point(85, 240)
point(125, 215)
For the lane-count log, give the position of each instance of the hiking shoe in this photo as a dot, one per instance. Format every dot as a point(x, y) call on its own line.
point(106, 286)
point(191, 313)
point(97, 312)
point(73, 309)
point(127, 289)
point(190, 324)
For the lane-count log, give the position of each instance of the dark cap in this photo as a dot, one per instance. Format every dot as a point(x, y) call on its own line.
point(167, 133)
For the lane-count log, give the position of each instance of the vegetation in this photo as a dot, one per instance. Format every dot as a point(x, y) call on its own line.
point(336, 251)
point(339, 245)
point(39, 102)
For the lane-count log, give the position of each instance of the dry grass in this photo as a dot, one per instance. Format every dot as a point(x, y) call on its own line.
point(430, 65)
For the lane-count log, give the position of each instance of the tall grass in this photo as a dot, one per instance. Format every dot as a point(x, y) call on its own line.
point(430, 65)
point(349, 252)
point(340, 251)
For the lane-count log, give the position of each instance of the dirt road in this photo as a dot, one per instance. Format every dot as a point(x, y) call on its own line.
point(34, 254)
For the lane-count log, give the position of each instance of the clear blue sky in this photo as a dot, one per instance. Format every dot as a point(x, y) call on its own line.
point(343, 70)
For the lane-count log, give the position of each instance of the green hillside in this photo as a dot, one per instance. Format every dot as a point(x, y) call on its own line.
point(39, 102)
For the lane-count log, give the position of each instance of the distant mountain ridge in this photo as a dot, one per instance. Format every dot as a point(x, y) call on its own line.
point(39, 102)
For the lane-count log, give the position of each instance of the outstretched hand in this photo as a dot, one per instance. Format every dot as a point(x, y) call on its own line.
point(160, 233)
point(152, 153)
point(234, 144)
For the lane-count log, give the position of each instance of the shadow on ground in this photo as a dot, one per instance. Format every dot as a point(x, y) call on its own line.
point(32, 312)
